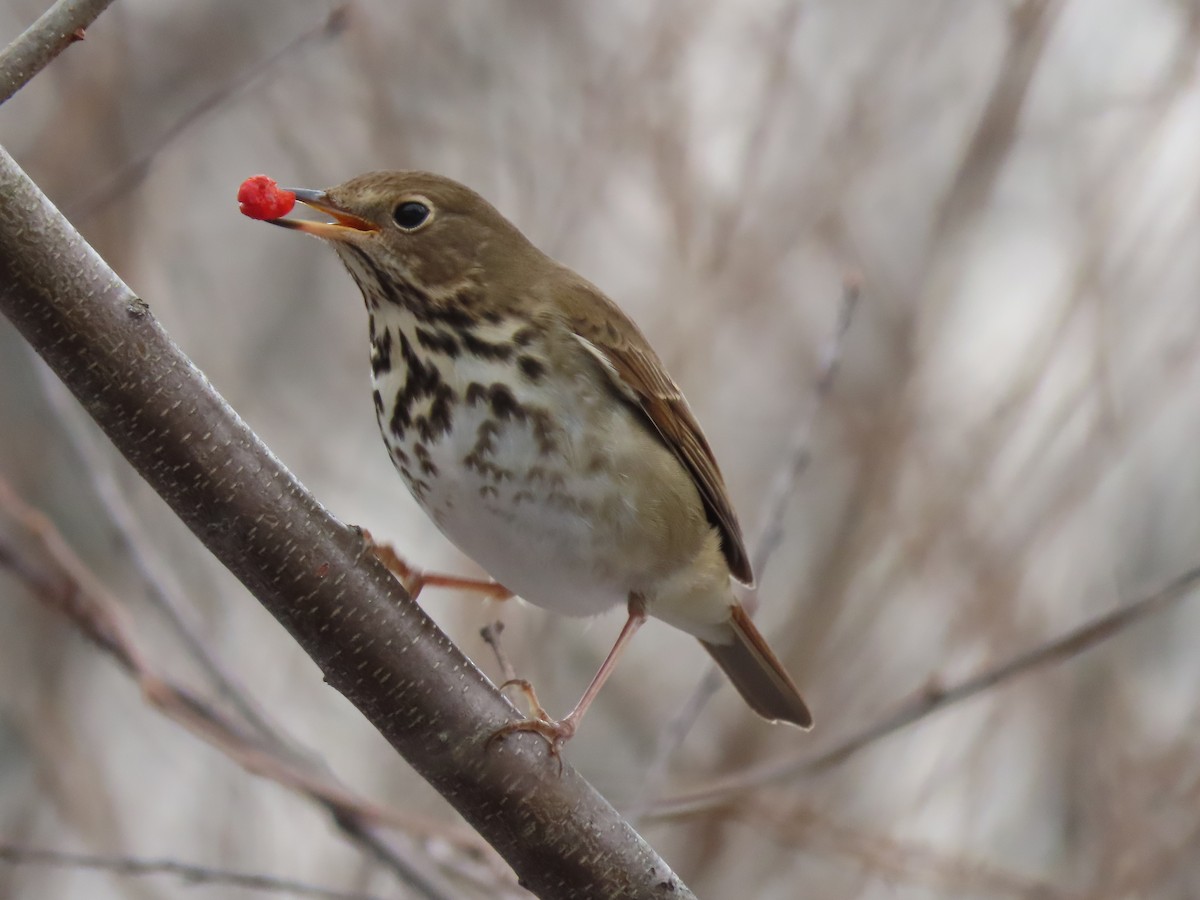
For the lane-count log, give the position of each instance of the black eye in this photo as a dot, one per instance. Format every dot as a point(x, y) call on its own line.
point(411, 215)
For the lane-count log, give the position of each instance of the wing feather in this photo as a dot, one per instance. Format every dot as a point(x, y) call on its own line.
point(639, 376)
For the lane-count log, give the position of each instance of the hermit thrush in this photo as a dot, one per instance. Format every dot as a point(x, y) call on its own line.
point(534, 424)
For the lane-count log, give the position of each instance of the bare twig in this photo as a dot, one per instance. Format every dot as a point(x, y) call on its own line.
point(491, 636)
point(677, 728)
point(933, 699)
point(74, 590)
point(56, 29)
point(190, 872)
point(161, 588)
point(894, 860)
point(132, 172)
point(1031, 23)
point(779, 77)
point(770, 534)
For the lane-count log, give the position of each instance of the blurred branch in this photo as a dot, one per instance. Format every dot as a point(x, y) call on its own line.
point(677, 728)
point(73, 590)
point(779, 80)
point(120, 182)
point(161, 588)
point(933, 699)
point(56, 29)
point(307, 569)
point(191, 873)
point(491, 636)
point(888, 859)
point(800, 455)
point(282, 760)
point(1030, 25)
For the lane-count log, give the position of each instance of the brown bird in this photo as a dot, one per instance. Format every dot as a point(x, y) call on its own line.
point(534, 424)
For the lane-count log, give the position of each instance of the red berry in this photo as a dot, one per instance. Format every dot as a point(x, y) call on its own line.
point(259, 197)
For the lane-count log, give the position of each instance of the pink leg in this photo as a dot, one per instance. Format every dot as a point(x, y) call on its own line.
point(414, 579)
point(559, 732)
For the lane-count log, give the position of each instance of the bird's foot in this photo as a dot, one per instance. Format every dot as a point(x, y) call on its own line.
point(555, 731)
point(415, 579)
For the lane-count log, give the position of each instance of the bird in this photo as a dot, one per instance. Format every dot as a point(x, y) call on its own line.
point(536, 427)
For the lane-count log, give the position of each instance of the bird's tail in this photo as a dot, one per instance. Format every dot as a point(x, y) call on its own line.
point(756, 673)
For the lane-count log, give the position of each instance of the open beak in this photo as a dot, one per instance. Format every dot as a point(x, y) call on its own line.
point(345, 224)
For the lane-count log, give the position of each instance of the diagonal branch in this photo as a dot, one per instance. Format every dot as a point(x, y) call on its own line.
point(55, 30)
point(307, 569)
point(934, 699)
point(69, 587)
point(161, 588)
point(189, 872)
point(770, 537)
point(122, 181)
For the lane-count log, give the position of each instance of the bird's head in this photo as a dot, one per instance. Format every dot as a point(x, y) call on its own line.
point(415, 229)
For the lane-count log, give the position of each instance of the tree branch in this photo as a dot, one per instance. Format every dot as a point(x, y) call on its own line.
point(190, 872)
point(307, 569)
point(69, 587)
point(770, 536)
point(934, 698)
point(34, 48)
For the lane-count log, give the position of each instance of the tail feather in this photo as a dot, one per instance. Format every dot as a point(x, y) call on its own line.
point(758, 675)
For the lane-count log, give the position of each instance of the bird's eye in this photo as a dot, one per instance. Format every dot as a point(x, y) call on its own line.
point(411, 215)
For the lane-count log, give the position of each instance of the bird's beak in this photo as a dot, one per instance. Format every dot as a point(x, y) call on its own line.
point(344, 226)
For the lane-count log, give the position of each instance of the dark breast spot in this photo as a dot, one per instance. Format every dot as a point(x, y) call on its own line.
point(438, 341)
point(441, 411)
point(532, 369)
point(420, 382)
point(422, 377)
point(427, 465)
point(401, 416)
point(545, 431)
point(504, 404)
point(506, 408)
point(476, 393)
point(457, 317)
point(381, 350)
point(399, 457)
point(486, 349)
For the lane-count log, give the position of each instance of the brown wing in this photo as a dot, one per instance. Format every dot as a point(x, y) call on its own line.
point(638, 375)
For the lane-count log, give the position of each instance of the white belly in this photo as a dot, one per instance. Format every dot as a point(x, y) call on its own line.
point(495, 487)
point(523, 529)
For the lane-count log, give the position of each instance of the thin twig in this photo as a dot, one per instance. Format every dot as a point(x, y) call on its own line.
point(931, 700)
point(893, 860)
point(134, 171)
point(491, 636)
point(56, 29)
point(677, 728)
point(770, 534)
point(75, 591)
point(189, 872)
point(162, 590)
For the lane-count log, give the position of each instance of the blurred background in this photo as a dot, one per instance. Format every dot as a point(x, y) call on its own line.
point(1008, 449)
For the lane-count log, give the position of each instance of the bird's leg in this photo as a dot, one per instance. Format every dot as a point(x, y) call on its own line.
point(559, 732)
point(415, 579)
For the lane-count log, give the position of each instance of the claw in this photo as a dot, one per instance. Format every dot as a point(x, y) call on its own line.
point(556, 732)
